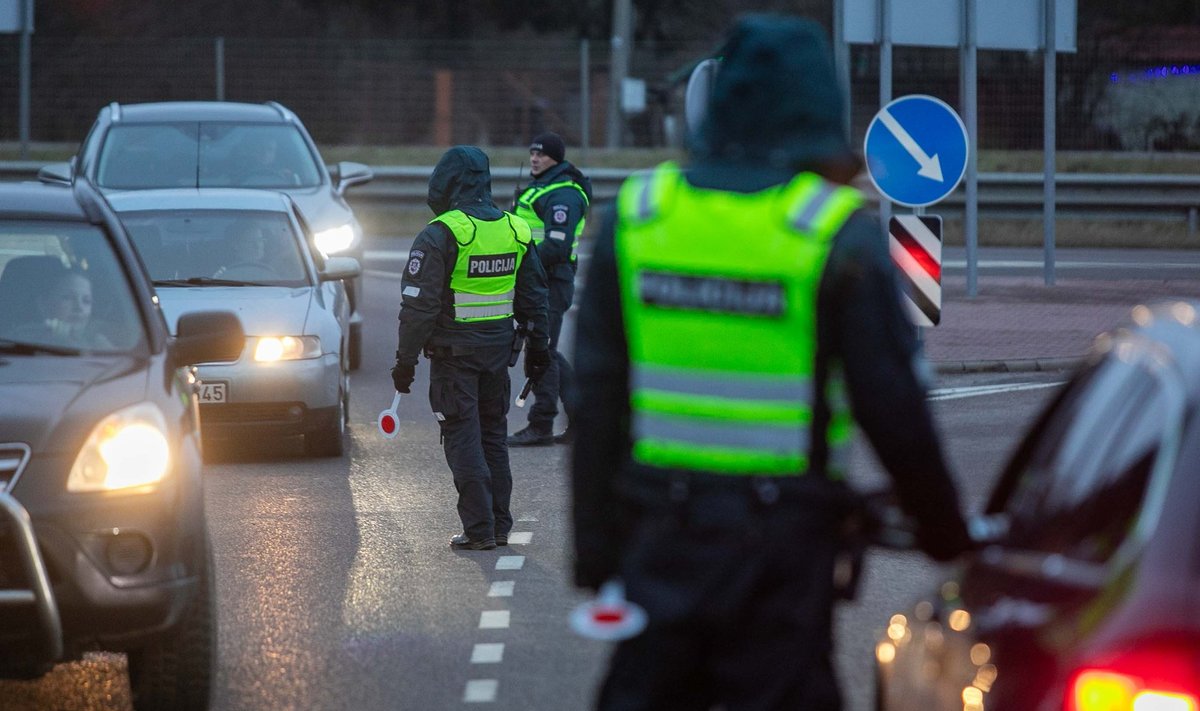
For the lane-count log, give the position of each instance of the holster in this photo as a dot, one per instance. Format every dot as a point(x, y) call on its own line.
point(518, 342)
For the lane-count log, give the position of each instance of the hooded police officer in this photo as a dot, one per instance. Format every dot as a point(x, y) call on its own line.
point(555, 205)
point(470, 272)
point(738, 318)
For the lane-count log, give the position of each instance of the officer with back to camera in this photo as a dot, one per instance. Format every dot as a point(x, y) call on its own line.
point(738, 318)
point(470, 272)
point(555, 205)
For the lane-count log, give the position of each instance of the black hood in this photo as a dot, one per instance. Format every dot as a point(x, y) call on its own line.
point(565, 171)
point(775, 100)
point(461, 179)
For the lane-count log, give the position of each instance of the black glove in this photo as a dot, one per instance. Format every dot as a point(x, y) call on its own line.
point(403, 376)
point(537, 362)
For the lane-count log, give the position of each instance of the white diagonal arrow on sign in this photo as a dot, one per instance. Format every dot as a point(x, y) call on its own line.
point(930, 167)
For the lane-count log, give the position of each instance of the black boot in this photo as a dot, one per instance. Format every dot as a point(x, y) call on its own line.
point(567, 436)
point(531, 437)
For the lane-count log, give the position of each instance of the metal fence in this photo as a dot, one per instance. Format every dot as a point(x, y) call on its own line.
point(1118, 92)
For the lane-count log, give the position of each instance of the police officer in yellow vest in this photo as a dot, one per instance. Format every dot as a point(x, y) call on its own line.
point(470, 272)
point(738, 318)
point(555, 205)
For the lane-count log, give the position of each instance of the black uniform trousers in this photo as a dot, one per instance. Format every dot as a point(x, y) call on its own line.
point(469, 391)
point(558, 382)
point(738, 588)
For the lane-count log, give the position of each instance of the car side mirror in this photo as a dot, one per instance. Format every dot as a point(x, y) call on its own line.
point(340, 268)
point(55, 174)
point(207, 336)
point(347, 174)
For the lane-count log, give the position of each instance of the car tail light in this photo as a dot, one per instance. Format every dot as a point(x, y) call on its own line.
point(1102, 690)
point(1158, 680)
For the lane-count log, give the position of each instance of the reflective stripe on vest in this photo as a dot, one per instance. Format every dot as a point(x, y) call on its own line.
point(524, 209)
point(719, 296)
point(490, 252)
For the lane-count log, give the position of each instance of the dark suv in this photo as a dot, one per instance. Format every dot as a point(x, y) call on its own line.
point(103, 542)
point(1086, 594)
point(222, 144)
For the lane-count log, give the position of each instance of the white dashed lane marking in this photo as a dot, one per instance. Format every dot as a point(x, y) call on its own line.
point(510, 562)
point(977, 390)
point(493, 620)
point(481, 691)
point(502, 588)
point(492, 653)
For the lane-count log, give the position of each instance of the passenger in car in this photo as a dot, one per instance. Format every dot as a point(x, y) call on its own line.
point(65, 315)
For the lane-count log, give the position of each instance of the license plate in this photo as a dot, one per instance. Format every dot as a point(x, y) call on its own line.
point(213, 392)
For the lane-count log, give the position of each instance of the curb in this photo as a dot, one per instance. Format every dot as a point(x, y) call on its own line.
point(1012, 365)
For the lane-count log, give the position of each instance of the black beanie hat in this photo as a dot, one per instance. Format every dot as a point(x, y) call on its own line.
point(551, 144)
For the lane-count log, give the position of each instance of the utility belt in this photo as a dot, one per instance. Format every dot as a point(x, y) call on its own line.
point(652, 487)
point(823, 504)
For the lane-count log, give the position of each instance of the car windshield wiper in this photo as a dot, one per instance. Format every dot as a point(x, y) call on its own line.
point(206, 281)
point(21, 348)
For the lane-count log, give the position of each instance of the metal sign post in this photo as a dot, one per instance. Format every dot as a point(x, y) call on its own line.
point(969, 81)
point(1049, 123)
point(17, 16)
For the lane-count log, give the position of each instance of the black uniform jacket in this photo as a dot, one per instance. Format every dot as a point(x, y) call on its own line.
point(561, 210)
point(462, 181)
point(861, 328)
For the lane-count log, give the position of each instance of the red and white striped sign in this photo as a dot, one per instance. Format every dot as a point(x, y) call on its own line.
point(915, 242)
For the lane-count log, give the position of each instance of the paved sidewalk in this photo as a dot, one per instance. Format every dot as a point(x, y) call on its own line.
point(1020, 324)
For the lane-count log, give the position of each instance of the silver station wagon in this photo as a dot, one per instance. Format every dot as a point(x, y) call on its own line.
point(245, 251)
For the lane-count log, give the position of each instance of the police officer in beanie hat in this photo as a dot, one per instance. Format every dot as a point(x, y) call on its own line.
point(470, 273)
point(555, 204)
point(739, 318)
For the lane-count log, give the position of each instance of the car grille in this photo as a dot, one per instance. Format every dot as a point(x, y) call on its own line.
point(265, 413)
point(13, 458)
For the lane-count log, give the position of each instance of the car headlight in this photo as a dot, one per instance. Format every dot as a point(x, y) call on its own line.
point(335, 239)
point(269, 349)
point(127, 449)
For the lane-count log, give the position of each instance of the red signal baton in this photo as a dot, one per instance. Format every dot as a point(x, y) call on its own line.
point(610, 617)
point(389, 423)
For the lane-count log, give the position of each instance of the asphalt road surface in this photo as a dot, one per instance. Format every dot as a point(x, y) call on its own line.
point(337, 589)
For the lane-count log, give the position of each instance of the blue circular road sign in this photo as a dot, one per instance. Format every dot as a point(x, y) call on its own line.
point(916, 149)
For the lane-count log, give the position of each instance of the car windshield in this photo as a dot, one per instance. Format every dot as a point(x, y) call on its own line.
point(63, 291)
point(218, 247)
point(191, 154)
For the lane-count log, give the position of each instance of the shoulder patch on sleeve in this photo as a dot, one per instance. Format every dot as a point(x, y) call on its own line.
point(559, 214)
point(416, 258)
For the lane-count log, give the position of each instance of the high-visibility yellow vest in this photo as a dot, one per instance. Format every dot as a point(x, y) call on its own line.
point(525, 211)
point(484, 279)
point(719, 295)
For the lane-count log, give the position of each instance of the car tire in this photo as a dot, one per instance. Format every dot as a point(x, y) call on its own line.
point(176, 671)
point(355, 346)
point(329, 441)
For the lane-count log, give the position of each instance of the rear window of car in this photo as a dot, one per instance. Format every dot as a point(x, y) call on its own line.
point(62, 287)
point(210, 154)
point(1082, 489)
point(261, 247)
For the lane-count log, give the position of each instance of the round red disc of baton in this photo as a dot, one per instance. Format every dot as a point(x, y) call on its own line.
point(389, 424)
point(610, 617)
